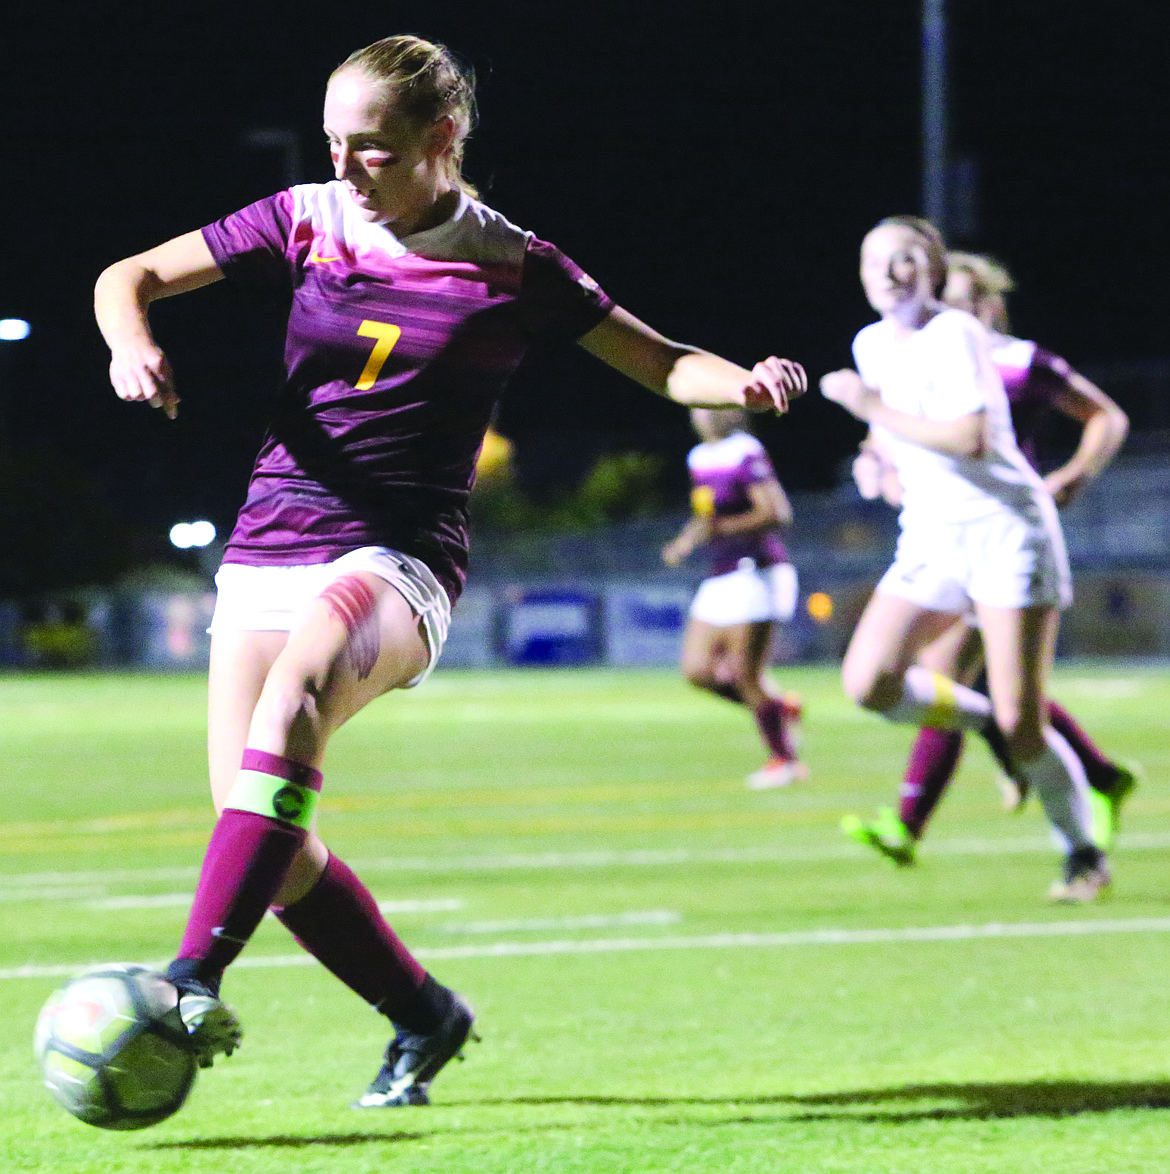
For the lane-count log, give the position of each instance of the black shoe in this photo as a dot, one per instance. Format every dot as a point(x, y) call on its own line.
point(413, 1060)
point(212, 1026)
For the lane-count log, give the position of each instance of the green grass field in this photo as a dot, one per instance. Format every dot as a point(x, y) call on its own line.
point(671, 972)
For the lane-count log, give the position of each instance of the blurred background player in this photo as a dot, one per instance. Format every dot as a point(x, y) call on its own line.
point(411, 304)
point(978, 529)
point(739, 510)
point(1036, 381)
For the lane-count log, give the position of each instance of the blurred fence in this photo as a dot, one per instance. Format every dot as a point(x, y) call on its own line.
point(604, 597)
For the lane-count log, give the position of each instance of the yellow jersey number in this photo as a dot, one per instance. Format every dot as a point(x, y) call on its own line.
point(385, 334)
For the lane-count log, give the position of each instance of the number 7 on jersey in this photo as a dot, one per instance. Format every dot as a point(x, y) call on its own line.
point(386, 334)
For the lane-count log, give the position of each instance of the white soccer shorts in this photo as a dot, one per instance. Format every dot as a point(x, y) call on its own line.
point(1001, 561)
point(747, 595)
point(272, 599)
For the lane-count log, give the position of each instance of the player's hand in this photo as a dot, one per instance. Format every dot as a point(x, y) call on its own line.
point(141, 373)
point(773, 385)
point(867, 474)
point(674, 552)
point(846, 388)
point(1062, 487)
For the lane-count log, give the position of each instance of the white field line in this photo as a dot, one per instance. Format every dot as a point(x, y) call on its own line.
point(151, 901)
point(584, 921)
point(426, 905)
point(167, 900)
point(50, 886)
point(727, 941)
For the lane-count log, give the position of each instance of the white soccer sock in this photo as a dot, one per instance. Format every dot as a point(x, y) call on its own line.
point(1058, 778)
point(930, 699)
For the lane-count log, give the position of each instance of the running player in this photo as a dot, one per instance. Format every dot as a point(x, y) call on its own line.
point(739, 509)
point(979, 529)
point(411, 303)
point(1035, 380)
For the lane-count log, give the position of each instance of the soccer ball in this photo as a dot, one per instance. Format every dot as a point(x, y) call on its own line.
point(112, 1048)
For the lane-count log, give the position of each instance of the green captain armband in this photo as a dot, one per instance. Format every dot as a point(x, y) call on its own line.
point(273, 797)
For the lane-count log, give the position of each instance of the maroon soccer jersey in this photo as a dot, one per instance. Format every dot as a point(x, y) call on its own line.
point(396, 353)
point(1033, 379)
point(722, 473)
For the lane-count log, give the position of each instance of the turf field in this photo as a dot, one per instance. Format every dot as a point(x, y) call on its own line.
point(672, 973)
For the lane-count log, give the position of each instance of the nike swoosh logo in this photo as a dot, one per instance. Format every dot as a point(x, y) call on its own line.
point(315, 256)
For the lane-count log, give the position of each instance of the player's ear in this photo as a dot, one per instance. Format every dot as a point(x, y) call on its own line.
point(440, 136)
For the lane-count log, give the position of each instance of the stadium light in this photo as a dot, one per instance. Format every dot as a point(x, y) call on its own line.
point(14, 329)
point(185, 535)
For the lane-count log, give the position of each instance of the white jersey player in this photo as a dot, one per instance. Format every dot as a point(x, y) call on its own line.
point(979, 530)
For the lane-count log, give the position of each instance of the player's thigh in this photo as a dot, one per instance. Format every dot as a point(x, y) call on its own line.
point(957, 653)
point(1018, 645)
point(701, 647)
point(888, 637)
point(350, 650)
point(240, 663)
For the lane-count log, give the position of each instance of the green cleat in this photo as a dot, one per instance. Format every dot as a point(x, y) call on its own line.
point(886, 834)
point(1106, 807)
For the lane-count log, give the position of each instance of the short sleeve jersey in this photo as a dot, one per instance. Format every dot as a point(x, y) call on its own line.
point(942, 372)
point(722, 473)
point(395, 355)
point(1034, 380)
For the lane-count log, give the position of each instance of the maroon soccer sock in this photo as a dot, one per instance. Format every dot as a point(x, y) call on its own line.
point(1100, 772)
point(933, 760)
point(339, 923)
point(773, 725)
point(255, 840)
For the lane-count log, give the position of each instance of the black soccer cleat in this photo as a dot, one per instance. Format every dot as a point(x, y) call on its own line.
point(414, 1060)
point(212, 1026)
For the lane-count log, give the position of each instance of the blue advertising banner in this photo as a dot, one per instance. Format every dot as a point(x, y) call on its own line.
point(552, 627)
point(644, 625)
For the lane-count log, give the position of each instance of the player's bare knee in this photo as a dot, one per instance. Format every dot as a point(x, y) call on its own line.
point(877, 692)
point(288, 711)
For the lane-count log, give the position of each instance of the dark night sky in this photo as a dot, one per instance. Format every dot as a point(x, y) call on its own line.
point(713, 167)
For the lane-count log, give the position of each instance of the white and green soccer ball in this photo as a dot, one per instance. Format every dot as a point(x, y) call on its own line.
point(112, 1048)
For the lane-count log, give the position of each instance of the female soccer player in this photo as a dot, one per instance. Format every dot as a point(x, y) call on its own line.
point(739, 509)
point(1035, 380)
point(979, 529)
point(411, 303)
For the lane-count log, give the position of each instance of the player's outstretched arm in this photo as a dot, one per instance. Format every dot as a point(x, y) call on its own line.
point(139, 370)
point(688, 375)
point(1104, 426)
